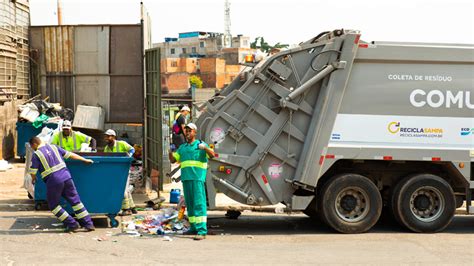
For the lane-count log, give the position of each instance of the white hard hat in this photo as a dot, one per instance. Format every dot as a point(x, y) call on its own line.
point(192, 126)
point(110, 132)
point(185, 108)
point(66, 124)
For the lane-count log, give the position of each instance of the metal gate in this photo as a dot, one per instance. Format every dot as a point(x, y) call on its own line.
point(153, 151)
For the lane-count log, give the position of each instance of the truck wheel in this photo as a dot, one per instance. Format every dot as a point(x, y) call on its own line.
point(393, 200)
point(351, 203)
point(425, 203)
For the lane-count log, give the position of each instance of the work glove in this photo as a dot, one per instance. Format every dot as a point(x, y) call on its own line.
point(202, 146)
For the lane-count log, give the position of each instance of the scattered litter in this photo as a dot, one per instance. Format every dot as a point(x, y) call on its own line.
point(251, 237)
point(115, 241)
point(4, 166)
point(46, 229)
point(36, 226)
point(100, 239)
point(167, 238)
point(166, 221)
point(56, 225)
point(108, 233)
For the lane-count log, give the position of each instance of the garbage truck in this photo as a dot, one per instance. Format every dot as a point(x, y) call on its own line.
point(342, 129)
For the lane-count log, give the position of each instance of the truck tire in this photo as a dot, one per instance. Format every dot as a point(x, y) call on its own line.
point(351, 203)
point(393, 200)
point(425, 203)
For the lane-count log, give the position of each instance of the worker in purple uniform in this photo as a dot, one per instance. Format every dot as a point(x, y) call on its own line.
point(48, 160)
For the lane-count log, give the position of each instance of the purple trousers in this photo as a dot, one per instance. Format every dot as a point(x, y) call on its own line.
point(68, 191)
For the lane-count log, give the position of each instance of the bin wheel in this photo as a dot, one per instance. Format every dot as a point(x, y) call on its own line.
point(113, 222)
point(37, 206)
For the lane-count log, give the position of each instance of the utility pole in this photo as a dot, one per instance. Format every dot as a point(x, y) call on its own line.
point(227, 35)
point(60, 13)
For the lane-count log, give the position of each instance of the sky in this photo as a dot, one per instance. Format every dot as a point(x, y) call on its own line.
point(284, 21)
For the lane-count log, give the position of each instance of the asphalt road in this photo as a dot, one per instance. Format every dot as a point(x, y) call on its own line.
point(254, 238)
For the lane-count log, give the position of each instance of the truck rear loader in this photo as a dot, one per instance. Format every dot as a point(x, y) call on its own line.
point(343, 129)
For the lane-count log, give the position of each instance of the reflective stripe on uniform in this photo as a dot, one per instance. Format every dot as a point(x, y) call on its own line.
point(53, 169)
point(73, 136)
point(60, 136)
point(74, 140)
point(58, 156)
point(56, 210)
point(192, 219)
point(67, 155)
point(49, 170)
point(63, 216)
point(42, 159)
point(176, 156)
point(191, 163)
point(32, 170)
point(78, 207)
point(82, 215)
point(200, 219)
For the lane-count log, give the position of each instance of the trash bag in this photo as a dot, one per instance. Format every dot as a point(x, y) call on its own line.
point(67, 114)
point(40, 120)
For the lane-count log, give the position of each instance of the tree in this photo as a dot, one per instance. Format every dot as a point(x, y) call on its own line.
point(261, 44)
point(195, 81)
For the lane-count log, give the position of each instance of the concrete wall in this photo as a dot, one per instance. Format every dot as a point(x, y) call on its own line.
point(134, 131)
point(8, 118)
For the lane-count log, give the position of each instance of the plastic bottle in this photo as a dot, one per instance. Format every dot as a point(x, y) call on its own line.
point(181, 213)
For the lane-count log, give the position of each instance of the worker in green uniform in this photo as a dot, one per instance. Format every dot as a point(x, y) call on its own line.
point(71, 140)
point(193, 157)
point(114, 145)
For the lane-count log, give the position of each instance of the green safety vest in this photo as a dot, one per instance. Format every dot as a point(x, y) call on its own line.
point(72, 143)
point(193, 161)
point(119, 146)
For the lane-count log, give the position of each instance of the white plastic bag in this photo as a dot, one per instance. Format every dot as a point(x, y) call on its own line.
point(46, 135)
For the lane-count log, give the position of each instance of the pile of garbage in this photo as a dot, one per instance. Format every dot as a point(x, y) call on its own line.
point(167, 221)
point(136, 173)
point(38, 111)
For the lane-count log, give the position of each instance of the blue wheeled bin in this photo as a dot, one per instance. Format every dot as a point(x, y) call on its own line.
point(101, 185)
point(26, 131)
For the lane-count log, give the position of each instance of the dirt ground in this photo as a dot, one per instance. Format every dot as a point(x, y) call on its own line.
point(254, 238)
